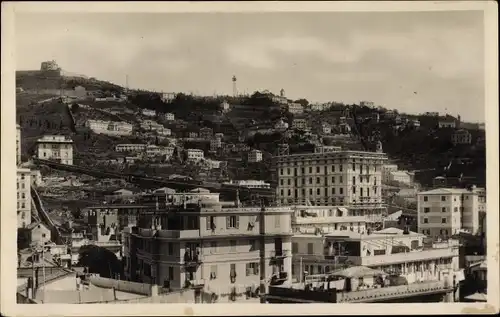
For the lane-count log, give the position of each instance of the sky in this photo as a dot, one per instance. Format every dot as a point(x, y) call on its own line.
point(410, 61)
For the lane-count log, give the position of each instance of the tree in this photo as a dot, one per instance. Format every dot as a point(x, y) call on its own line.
point(100, 260)
point(303, 102)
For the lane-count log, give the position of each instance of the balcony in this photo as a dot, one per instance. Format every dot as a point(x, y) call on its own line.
point(192, 258)
point(389, 293)
point(279, 254)
point(413, 256)
point(173, 234)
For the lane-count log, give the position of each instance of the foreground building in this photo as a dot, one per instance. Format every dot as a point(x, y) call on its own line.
point(223, 250)
point(394, 252)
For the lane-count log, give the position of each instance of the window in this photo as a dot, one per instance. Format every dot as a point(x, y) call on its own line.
point(310, 191)
point(232, 244)
point(211, 223)
point(310, 180)
point(310, 248)
point(310, 170)
point(340, 179)
point(171, 273)
point(443, 209)
point(281, 182)
point(341, 190)
point(333, 190)
point(426, 220)
point(354, 166)
point(427, 209)
point(43, 235)
point(340, 169)
point(426, 198)
point(282, 192)
point(253, 244)
point(361, 191)
point(213, 272)
point(213, 247)
point(333, 179)
point(318, 169)
point(443, 220)
point(354, 180)
point(252, 268)
point(288, 171)
point(302, 170)
point(333, 168)
point(443, 198)
point(233, 222)
point(318, 191)
point(354, 189)
point(289, 181)
point(233, 269)
point(455, 209)
point(295, 248)
point(23, 205)
point(289, 192)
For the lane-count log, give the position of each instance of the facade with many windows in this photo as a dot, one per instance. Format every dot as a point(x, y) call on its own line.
point(443, 212)
point(342, 178)
point(55, 147)
point(23, 197)
point(226, 251)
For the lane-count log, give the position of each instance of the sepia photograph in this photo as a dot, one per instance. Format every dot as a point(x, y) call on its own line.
point(190, 154)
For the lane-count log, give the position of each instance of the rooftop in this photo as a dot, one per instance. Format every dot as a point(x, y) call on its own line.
point(445, 191)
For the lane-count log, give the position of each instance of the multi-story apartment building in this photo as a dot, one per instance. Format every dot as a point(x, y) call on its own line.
point(195, 154)
point(402, 177)
point(443, 212)
point(386, 172)
point(295, 108)
point(390, 250)
point(168, 96)
point(109, 127)
point(130, 147)
point(206, 133)
point(18, 144)
point(151, 125)
point(326, 219)
point(461, 136)
point(281, 125)
point(226, 251)
point(23, 197)
point(169, 116)
point(331, 178)
point(225, 107)
point(250, 183)
point(299, 124)
point(254, 156)
point(148, 112)
point(55, 147)
point(326, 128)
point(215, 144)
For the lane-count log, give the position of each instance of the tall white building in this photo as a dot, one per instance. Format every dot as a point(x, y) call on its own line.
point(18, 144)
point(55, 147)
point(254, 156)
point(340, 178)
point(23, 197)
point(443, 212)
